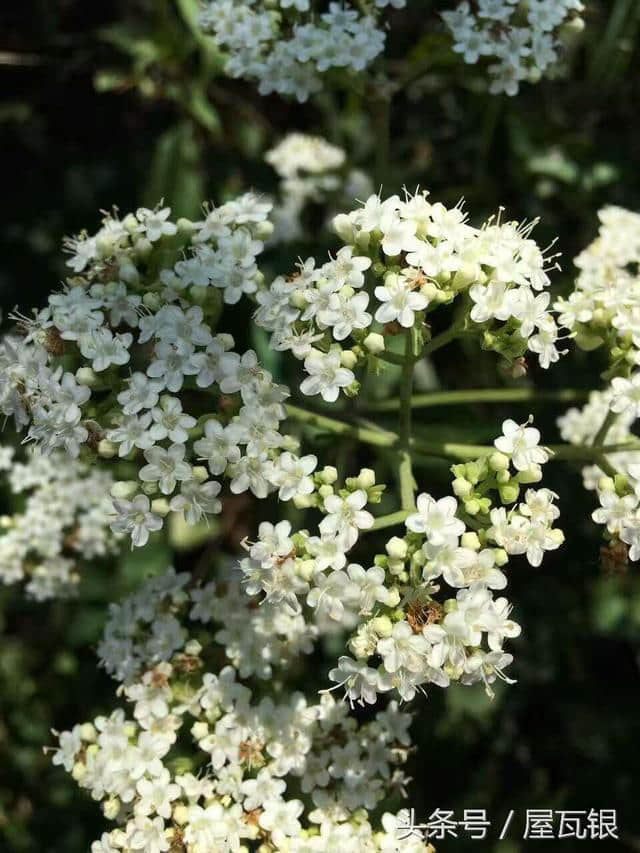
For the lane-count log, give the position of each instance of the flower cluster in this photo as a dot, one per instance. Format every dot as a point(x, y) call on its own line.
point(151, 626)
point(64, 521)
point(523, 39)
point(617, 488)
point(604, 307)
point(257, 772)
point(400, 261)
point(311, 171)
point(125, 362)
point(399, 620)
point(287, 48)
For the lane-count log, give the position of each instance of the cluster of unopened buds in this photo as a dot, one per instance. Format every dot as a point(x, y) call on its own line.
point(312, 171)
point(401, 260)
point(394, 606)
point(63, 522)
point(287, 47)
point(256, 773)
point(523, 39)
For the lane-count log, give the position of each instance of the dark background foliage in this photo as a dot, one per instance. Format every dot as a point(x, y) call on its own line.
point(122, 103)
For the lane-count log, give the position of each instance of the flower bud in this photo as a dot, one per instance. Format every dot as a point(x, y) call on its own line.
point(500, 556)
point(470, 540)
point(366, 479)
point(396, 548)
point(193, 648)
point(107, 449)
point(328, 475)
point(88, 732)
point(160, 506)
point(374, 342)
point(325, 491)
point(348, 359)
point(509, 493)
point(185, 226)
point(472, 506)
point(151, 301)
point(78, 771)
point(382, 626)
point(503, 477)
point(343, 226)
point(180, 814)
point(393, 597)
point(199, 730)
point(461, 487)
point(86, 376)
point(305, 569)
point(498, 461)
point(200, 473)
point(124, 490)
point(533, 474)
point(111, 808)
point(303, 501)
point(606, 484)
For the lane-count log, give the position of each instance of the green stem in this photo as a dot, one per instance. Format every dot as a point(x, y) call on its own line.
point(391, 520)
point(405, 469)
point(446, 449)
point(489, 395)
point(601, 435)
point(442, 339)
point(376, 437)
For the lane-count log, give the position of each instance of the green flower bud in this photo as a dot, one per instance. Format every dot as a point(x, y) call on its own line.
point(461, 487)
point(498, 461)
point(470, 540)
point(509, 493)
point(124, 490)
point(366, 479)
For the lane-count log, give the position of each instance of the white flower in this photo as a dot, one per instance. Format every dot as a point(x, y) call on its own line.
point(155, 223)
point(142, 393)
point(626, 395)
point(400, 301)
point(521, 443)
point(197, 500)
point(104, 348)
point(326, 375)
point(292, 475)
point(134, 517)
point(170, 421)
point(165, 467)
point(359, 680)
point(403, 649)
point(436, 519)
point(346, 517)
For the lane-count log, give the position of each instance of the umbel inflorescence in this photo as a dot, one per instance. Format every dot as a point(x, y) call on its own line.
point(603, 312)
point(62, 525)
point(126, 365)
point(206, 762)
point(522, 41)
point(288, 47)
point(400, 261)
